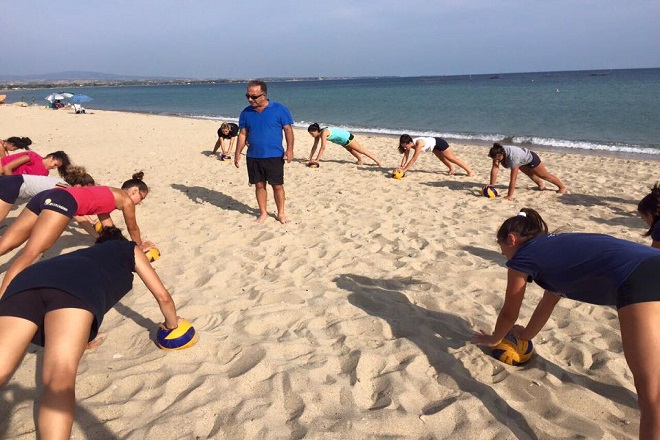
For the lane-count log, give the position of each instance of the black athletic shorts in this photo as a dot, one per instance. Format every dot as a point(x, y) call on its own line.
point(33, 305)
point(536, 160)
point(642, 285)
point(10, 186)
point(270, 169)
point(56, 200)
point(440, 144)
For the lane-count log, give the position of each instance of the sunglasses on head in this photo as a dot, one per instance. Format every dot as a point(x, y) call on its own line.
point(253, 97)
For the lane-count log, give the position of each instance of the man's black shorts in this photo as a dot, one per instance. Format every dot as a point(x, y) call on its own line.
point(269, 169)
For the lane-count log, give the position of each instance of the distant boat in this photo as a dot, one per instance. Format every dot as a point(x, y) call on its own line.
point(494, 77)
point(599, 74)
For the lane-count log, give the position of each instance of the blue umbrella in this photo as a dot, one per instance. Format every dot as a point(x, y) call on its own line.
point(79, 98)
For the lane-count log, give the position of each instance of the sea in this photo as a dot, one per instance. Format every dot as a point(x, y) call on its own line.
point(600, 111)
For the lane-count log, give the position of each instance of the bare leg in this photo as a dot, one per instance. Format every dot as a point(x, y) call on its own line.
point(542, 172)
point(18, 232)
point(278, 192)
point(639, 333)
point(5, 208)
point(532, 175)
point(218, 143)
point(262, 199)
point(355, 149)
point(449, 156)
point(67, 332)
point(15, 336)
point(47, 229)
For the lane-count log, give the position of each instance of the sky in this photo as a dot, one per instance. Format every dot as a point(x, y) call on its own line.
point(334, 38)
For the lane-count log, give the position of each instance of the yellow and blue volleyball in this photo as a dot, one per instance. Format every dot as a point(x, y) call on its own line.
point(513, 351)
point(398, 174)
point(183, 336)
point(489, 191)
point(98, 227)
point(313, 164)
point(152, 254)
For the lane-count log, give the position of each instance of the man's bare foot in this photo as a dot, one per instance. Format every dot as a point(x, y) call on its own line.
point(262, 218)
point(282, 219)
point(98, 340)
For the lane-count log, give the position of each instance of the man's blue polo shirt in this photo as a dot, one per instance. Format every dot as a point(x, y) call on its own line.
point(264, 130)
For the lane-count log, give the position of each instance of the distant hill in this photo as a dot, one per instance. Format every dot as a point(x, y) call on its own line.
point(78, 75)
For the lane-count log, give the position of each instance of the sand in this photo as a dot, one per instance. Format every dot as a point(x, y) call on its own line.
point(352, 321)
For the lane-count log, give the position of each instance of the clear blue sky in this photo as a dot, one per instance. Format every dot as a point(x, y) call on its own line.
point(267, 38)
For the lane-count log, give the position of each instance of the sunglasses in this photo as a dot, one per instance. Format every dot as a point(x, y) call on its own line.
point(253, 97)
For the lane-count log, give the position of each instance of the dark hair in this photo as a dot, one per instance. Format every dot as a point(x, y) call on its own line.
point(258, 82)
point(62, 157)
point(496, 149)
point(404, 139)
point(22, 143)
point(136, 181)
point(314, 127)
point(77, 175)
point(650, 205)
point(527, 224)
point(110, 233)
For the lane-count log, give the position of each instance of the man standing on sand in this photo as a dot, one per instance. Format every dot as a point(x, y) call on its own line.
point(261, 125)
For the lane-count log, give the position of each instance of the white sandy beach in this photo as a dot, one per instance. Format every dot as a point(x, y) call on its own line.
point(352, 321)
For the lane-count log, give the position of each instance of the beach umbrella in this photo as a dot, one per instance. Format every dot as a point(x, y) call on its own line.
point(54, 97)
point(66, 94)
point(80, 98)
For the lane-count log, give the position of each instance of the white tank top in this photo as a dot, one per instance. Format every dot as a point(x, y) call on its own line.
point(429, 143)
point(33, 185)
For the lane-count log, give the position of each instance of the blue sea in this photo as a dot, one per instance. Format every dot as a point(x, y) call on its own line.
point(614, 111)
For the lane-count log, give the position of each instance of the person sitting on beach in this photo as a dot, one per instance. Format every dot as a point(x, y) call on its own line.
point(649, 211)
point(14, 143)
point(339, 137)
point(527, 161)
point(78, 109)
point(59, 304)
point(47, 215)
point(437, 145)
point(30, 162)
point(227, 135)
point(593, 268)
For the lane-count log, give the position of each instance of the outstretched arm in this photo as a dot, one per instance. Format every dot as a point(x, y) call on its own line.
point(311, 154)
point(515, 292)
point(418, 150)
point(151, 279)
point(540, 316)
point(512, 182)
point(324, 141)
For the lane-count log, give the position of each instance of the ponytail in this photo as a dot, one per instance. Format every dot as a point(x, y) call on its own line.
point(527, 224)
point(22, 143)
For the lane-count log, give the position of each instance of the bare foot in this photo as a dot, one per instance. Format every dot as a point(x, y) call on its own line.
point(542, 187)
point(451, 171)
point(282, 219)
point(380, 164)
point(262, 218)
point(98, 340)
point(470, 173)
point(563, 190)
point(359, 162)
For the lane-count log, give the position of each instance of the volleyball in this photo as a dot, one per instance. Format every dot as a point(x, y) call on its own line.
point(397, 174)
point(152, 254)
point(513, 351)
point(183, 336)
point(226, 157)
point(98, 227)
point(489, 191)
point(313, 164)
